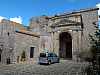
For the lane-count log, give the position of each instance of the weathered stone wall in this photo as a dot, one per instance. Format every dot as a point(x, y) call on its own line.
point(6, 41)
point(38, 24)
point(34, 25)
point(79, 31)
point(88, 19)
point(24, 42)
point(13, 43)
point(80, 37)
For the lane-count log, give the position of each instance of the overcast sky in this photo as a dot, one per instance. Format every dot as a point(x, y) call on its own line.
point(22, 10)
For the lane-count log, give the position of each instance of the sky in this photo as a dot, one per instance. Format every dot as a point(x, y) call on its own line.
point(22, 10)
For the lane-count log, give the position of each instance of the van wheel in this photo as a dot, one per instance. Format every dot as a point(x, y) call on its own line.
point(49, 62)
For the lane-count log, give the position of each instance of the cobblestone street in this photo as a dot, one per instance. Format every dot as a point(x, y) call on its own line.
point(65, 67)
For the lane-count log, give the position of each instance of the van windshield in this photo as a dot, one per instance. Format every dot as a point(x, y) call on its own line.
point(42, 55)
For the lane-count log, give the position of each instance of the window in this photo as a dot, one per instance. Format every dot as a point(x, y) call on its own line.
point(50, 55)
point(54, 55)
point(31, 52)
point(42, 55)
point(8, 33)
point(0, 57)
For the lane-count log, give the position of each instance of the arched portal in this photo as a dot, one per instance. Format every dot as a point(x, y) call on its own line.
point(65, 45)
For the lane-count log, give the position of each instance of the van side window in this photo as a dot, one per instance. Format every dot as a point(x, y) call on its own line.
point(49, 55)
point(54, 55)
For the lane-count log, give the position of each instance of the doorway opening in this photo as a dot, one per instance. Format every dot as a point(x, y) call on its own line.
point(31, 52)
point(65, 45)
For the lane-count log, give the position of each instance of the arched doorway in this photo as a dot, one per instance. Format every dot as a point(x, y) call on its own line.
point(65, 45)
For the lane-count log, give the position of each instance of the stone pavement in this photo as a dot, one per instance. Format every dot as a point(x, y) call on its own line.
point(65, 67)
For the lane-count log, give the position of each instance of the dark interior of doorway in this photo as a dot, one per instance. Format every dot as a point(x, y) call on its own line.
point(65, 44)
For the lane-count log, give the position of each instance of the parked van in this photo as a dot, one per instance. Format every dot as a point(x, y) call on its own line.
point(48, 58)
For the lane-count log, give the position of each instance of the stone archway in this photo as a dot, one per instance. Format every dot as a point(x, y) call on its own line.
point(65, 45)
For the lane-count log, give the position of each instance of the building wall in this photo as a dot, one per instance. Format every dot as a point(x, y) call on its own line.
point(80, 38)
point(13, 43)
point(38, 24)
point(88, 27)
point(6, 41)
point(24, 42)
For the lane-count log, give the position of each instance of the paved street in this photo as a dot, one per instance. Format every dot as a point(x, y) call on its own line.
point(65, 67)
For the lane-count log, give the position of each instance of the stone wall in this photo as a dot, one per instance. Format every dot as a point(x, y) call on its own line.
point(79, 24)
point(79, 32)
point(25, 42)
point(88, 19)
point(6, 41)
point(13, 43)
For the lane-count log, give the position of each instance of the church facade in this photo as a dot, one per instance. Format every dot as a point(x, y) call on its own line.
point(68, 34)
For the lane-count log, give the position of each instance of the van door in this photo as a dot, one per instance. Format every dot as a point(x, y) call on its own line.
point(55, 58)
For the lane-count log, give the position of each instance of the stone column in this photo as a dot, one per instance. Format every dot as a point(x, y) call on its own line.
point(75, 45)
point(56, 43)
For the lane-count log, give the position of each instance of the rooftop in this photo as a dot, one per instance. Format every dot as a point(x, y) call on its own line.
point(18, 25)
point(74, 13)
point(28, 33)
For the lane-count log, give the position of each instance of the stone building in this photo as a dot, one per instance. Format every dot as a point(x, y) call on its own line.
point(14, 39)
point(68, 34)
